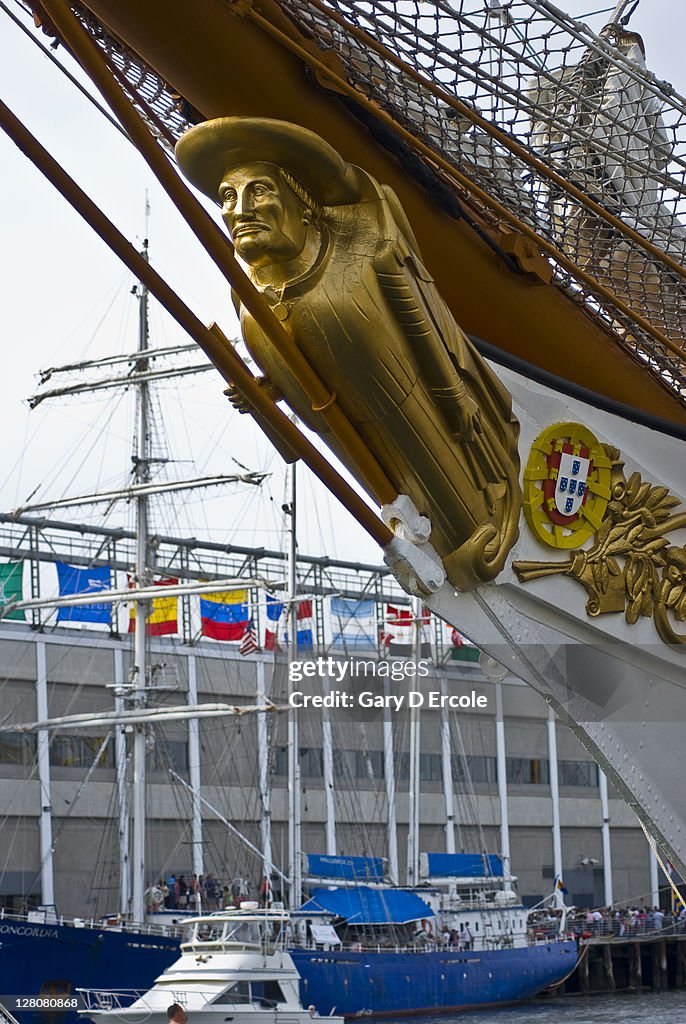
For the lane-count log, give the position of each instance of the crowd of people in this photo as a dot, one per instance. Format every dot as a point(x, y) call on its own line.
point(446, 937)
point(196, 892)
point(626, 922)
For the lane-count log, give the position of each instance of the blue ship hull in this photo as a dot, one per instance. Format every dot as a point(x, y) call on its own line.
point(46, 959)
point(51, 959)
point(388, 983)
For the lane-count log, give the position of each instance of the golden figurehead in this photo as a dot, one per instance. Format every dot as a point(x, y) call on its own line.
point(334, 255)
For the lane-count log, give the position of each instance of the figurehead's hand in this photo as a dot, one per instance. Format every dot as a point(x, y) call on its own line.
point(241, 404)
point(237, 400)
point(469, 418)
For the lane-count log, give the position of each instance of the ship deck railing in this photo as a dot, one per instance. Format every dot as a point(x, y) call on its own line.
point(478, 946)
point(109, 999)
point(613, 930)
point(6, 1017)
point(107, 923)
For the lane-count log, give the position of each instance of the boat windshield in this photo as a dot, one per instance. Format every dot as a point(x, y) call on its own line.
point(268, 931)
point(205, 931)
point(244, 932)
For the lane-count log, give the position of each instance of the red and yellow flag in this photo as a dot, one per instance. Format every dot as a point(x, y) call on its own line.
point(163, 619)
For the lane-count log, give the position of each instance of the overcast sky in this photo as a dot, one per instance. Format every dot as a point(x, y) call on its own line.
point(65, 298)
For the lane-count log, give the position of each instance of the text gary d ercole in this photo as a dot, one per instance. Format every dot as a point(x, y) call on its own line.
point(341, 671)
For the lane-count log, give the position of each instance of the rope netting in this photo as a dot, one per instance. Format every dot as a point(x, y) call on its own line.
point(173, 112)
point(566, 110)
point(563, 127)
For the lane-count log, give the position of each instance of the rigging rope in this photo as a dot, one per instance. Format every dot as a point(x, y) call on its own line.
point(653, 846)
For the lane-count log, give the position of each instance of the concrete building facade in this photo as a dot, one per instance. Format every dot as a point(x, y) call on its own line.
point(62, 817)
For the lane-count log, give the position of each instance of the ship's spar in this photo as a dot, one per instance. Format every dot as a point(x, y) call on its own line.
point(538, 637)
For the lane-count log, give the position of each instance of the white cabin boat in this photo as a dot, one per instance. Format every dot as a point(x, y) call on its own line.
point(233, 966)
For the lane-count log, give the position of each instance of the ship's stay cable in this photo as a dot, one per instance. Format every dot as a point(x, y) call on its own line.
point(107, 413)
point(469, 801)
point(234, 851)
point(656, 853)
point(182, 801)
point(105, 869)
point(359, 836)
point(33, 427)
point(594, 14)
point(94, 436)
point(234, 764)
point(11, 825)
point(72, 78)
point(61, 822)
point(237, 753)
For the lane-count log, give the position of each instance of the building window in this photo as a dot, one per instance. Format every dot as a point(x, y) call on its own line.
point(311, 762)
point(168, 754)
point(342, 761)
point(578, 773)
point(475, 768)
point(430, 769)
point(80, 752)
point(17, 748)
point(369, 764)
point(524, 770)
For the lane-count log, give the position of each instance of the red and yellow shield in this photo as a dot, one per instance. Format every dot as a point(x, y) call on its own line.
point(566, 485)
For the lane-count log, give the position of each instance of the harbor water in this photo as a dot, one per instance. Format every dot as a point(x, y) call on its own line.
point(646, 1008)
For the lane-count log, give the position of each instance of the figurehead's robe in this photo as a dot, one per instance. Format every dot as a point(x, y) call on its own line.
point(369, 320)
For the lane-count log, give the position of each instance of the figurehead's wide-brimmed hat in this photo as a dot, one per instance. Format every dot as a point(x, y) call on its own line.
point(208, 150)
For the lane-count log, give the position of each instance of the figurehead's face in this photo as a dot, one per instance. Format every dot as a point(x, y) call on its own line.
point(267, 222)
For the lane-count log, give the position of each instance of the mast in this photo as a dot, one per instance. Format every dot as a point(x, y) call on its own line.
point(121, 760)
point(447, 772)
point(197, 852)
point(294, 809)
point(328, 777)
point(608, 894)
point(139, 671)
point(501, 761)
point(389, 776)
point(415, 748)
point(43, 757)
point(263, 769)
point(554, 795)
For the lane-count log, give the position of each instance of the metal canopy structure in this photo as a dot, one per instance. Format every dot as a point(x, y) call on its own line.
point(189, 559)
